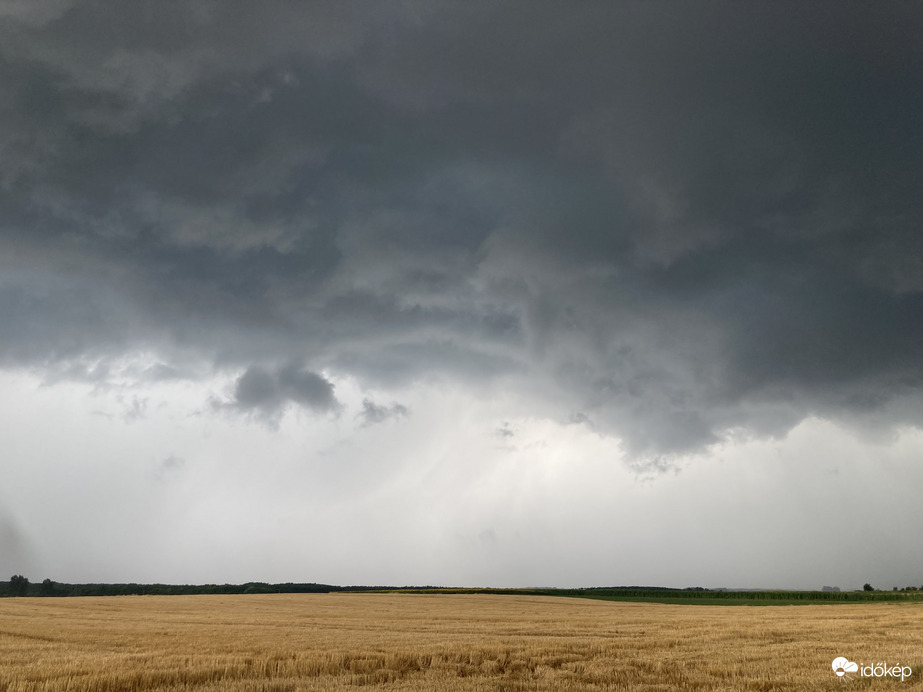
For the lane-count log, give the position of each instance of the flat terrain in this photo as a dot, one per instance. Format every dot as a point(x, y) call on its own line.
point(284, 642)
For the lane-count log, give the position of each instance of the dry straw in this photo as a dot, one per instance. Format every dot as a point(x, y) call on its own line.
point(284, 643)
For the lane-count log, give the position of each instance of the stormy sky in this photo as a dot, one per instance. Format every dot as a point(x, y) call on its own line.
point(462, 293)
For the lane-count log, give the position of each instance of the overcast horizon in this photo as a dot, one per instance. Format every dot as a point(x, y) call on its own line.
point(470, 294)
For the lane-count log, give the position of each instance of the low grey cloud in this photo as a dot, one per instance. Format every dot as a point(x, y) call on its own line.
point(268, 392)
point(372, 413)
point(504, 432)
point(133, 410)
point(168, 467)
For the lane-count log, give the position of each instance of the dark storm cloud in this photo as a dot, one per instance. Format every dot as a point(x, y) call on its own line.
point(267, 392)
point(678, 220)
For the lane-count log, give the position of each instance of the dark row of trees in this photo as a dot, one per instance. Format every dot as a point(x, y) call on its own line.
point(18, 585)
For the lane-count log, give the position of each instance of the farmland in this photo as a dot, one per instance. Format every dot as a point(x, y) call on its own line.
point(396, 641)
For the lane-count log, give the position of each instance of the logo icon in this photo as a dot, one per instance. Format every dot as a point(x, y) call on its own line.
point(842, 666)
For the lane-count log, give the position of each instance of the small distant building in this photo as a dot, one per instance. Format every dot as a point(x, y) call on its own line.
point(831, 589)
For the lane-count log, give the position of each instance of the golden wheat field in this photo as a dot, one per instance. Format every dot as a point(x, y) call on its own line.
point(282, 643)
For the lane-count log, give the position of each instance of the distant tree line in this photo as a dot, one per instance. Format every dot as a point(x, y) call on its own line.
point(19, 585)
